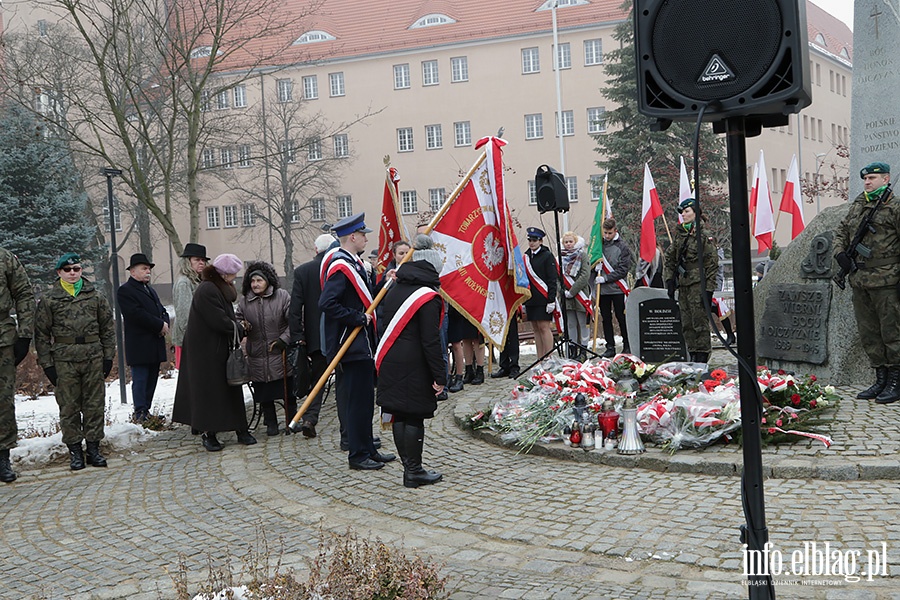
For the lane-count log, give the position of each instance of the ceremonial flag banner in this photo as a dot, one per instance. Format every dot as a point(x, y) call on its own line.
point(390, 229)
point(650, 209)
point(764, 216)
point(595, 252)
point(791, 200)
point(684, 187)
point(484, 274)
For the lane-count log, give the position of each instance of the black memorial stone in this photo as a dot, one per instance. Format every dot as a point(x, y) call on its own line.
point(661, 338)
point(794, 325)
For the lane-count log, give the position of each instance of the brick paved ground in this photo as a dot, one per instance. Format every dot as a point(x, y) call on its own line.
point(504, 525)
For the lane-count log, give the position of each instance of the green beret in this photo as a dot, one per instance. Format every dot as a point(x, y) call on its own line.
point(875, 167)
point(687, 202)
point(69, 258)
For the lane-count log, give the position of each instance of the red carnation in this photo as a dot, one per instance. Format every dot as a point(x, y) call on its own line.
point(813, 378)
point(781, 371)
point(813, 403)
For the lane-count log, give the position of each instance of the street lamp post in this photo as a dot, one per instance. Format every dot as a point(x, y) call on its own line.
point(114, 259)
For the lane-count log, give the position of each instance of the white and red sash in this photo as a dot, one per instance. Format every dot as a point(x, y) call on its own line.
point(323, 268)
point(404, 314)
point(582, 297)
point(607, 269)
point(536, 282)
point(340, 263)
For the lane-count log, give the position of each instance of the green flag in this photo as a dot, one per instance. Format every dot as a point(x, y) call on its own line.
point(595, 252)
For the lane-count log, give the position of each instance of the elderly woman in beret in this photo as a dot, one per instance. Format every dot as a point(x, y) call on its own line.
point(203, 398)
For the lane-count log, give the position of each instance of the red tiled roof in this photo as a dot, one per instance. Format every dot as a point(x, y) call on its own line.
point(836, 33)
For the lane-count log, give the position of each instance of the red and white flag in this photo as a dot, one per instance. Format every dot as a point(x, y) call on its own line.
point(684, 188)
point(390, 228)
point(791, 200)
point(764, 215)
point(484, 275)
point(650, 209)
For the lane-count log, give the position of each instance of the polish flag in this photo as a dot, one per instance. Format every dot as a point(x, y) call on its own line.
point(684, 188)
point(791, 201)
point(764, 215)
point(650, 209)
point(390, 227)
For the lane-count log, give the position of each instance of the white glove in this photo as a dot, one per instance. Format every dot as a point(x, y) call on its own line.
point(599, 268)
point(568, 294)
point(551, 308)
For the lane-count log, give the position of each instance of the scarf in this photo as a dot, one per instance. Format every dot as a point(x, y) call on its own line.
point(875, 194)
point(571, 259)
point(73, 289)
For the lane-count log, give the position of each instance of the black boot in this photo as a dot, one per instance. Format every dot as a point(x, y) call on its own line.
point(244, 438)
point(7, 475)
point(891, 392)
point(270, 418)
point(399, 430)
point(479, 375)
point(730, 339)
point(881, 377)
point(456, 384)
point(94, 458)
point(76, 457)
point(469, 375)
point(210, 442)
point(610, 352)
point(413, 473)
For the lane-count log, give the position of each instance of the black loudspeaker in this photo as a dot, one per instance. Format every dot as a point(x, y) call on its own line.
point(737, 57)
point(552, 193)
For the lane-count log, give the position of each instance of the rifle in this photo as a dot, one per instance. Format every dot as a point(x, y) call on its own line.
point(856, 247)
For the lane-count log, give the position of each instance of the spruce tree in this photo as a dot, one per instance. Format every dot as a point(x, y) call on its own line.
point(42, 202)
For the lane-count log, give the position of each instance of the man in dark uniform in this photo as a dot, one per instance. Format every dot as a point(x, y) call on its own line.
point(874, 279)
point(543, 278)
point(346, 296)
point(305, 329)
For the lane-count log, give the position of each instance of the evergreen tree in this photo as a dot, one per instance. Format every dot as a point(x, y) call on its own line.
point(630, 143)
point(43, 206)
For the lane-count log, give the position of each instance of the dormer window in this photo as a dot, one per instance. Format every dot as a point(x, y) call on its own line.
point(844, 53)
point(311, 37)
point(432, 20)
point(548, 5)
point(820, 40)
point(203, 52)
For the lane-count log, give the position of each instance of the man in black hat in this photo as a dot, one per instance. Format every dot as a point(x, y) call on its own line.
point(874, 278)
point(346, 296)
point(146, 327)
point(543, 278)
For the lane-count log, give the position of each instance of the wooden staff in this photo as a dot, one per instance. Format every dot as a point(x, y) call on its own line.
point(596, 317)
point(666, 223)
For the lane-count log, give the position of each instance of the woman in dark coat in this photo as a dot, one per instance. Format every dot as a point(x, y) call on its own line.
point(410, 360)
point(203, 398)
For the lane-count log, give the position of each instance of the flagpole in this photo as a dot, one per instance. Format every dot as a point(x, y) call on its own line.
point(346, 346)
point(666, 223)
point(596, 317)
point(596, 322)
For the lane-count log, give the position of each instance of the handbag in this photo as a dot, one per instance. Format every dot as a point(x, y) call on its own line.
point(237, 369)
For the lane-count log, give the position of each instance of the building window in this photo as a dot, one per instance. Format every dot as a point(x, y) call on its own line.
point(408, 202)
point(310, 87)
point(436, 197)
point(336, 81)
point(462, 132)
point(596, 118)
point(341, 145)
point(432, 20)
point(572, 187)
point(318, 208)
point(42, 28)
point(568, 123)
point(430, 72)
point(401, 77)
point(285, 88)
point(225, 158)
point(564, 56)
point(248, 214)
point(222, 100)
point(311, 37)
point(531, 60)
point(314, 150)
point(117, 215)
point(288, 152)
point(229, 213)
point(208, 158)
point(405, 139)
point(345, 206)
point(532, 193)
point(212, 217)
point(204, 100)
point(434, 137)
point(459, 69)
point(534, 126)
point(243, 152)
point(596, 188)
point(240, 96)
point(593, 52)
point(294, 211)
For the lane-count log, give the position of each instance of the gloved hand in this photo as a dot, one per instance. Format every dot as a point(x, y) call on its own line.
point(845, 262)
point(569, 294)
point(107, 366)
point(670, 288)
point(602, 279)
point(20, 349)
point(50, 372)
point(277, 346)
point(551, 308)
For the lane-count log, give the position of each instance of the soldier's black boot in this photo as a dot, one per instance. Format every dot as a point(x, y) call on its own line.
point(7, 475)
point(456, 384)
point(881, 377)
point(469, 375)
point(891, 392)
point(414, 475)
point(94, 458)
point(76, 457)
point(479, 375)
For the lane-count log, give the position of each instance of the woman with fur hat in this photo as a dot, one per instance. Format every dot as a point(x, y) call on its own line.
point(203, 398)
point(265, 310)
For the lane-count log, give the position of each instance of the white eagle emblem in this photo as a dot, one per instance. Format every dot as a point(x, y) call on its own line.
point(493, 254)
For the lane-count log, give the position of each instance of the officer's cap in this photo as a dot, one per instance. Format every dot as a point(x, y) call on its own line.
point(351, 224)
point(875, 167)
point(534, 232)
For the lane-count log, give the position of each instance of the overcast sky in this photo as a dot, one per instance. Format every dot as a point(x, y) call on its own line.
point(842, 9)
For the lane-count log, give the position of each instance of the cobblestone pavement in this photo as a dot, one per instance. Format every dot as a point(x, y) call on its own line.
point(503, 525)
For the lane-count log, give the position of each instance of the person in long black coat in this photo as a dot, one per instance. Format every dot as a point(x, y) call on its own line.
point(146, 324)
point(410, 360)
point(203, 398)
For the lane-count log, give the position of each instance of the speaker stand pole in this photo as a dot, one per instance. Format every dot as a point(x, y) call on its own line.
point(754, 533)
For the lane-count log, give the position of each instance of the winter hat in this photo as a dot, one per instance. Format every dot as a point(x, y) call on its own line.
point(227, 264)
point(424, 250)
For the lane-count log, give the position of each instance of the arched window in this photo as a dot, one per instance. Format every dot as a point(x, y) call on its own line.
point(432, 20)
point(820, 40)
point(548, 5)
point(311, 37)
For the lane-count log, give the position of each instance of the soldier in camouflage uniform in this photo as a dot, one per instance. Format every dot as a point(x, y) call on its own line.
point(682, 270)
point(15, 339)
point(875, 284)
point(75, 338)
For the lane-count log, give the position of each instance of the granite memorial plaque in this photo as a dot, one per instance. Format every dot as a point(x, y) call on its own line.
point(660, 335)
point(794, 325)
